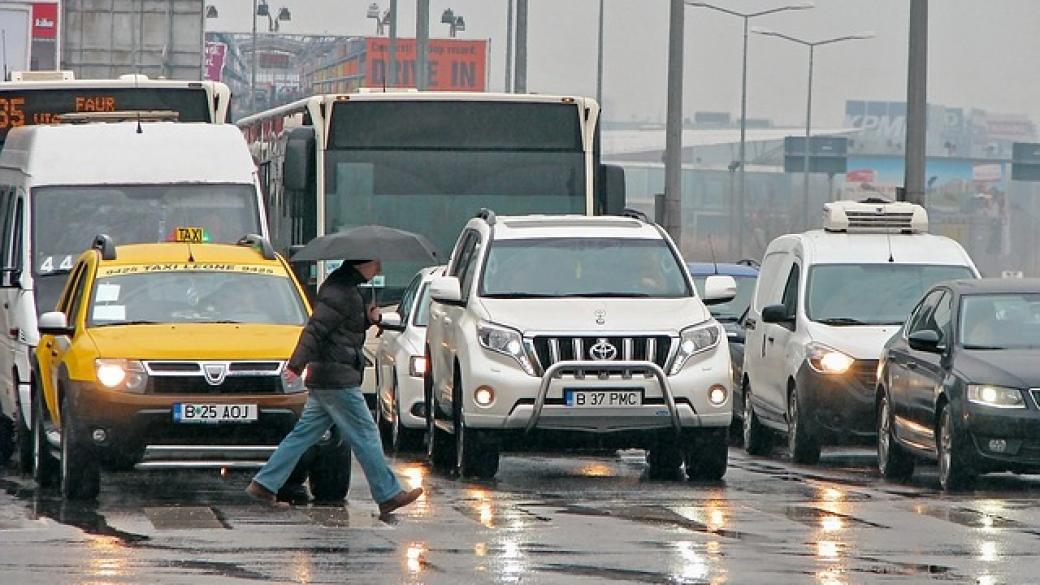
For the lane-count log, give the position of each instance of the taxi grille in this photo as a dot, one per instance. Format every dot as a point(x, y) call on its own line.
point(193, 377)
point(652, 348)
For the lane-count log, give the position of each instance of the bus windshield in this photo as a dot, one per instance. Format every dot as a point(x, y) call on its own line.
point(429, 166)
point(66, 219)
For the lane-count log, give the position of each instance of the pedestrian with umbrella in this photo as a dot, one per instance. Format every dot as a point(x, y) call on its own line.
point(330, 351)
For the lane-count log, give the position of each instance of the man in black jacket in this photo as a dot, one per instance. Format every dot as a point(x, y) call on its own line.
point(330, 351)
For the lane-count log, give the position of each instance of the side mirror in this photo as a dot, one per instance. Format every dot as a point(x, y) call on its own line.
point(926, 340)
point(612, 188)
point(392, 322)
point(447, 290)
point(54, 323)
point(299, 159)
point(776, 314)
point(719, 289)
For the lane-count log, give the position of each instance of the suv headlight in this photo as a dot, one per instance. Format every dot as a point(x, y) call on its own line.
point(695, 340)
point(506, 342)
point(827, 360)
point(119, 374)
point(995, 396)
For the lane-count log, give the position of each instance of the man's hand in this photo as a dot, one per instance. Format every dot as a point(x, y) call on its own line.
point(374, 314)
point(289, 376)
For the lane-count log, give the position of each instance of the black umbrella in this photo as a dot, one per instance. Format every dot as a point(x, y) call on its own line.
point(368, 242)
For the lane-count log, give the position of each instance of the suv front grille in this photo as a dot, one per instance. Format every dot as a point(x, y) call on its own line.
point(652, 348)
point(191, 377)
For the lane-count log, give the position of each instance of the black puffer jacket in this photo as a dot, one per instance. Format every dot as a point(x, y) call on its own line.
point(331, 342)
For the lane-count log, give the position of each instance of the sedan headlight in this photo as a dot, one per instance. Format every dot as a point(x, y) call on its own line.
point(506, 342)
point(118, 374)
point(995, 396)
point(827, 360)
point(695, 340)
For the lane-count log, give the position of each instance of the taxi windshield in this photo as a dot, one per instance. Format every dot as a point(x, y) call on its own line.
point(186, 296)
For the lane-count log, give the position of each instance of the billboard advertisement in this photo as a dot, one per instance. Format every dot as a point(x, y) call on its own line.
point(216, 56)
point(452, 64)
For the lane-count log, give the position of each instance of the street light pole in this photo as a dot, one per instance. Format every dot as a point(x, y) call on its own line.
point(599, 59)
point(392, 68)
point(741, 196)
point(252, 66)
point(808, 106)
point(916, 103)
point(422, 35)
point(509, 47)
point(521, 46)
point(674, 126)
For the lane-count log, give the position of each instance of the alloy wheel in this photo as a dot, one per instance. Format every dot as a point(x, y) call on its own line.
point(749, 412)
point(884, 427)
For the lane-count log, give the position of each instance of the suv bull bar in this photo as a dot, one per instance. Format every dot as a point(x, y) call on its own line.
point(582, 368)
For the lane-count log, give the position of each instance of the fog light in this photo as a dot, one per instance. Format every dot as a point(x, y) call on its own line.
point(484, 396)
point(998, 445)
point(99, 436)
point(717, 395)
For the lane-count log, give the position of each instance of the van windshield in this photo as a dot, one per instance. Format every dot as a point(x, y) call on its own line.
point(66, 219)
point(871, 294)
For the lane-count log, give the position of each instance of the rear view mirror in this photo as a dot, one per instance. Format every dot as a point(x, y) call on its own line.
point(926, 340)
point(776, 314)
point(719, 289)
point(391, 321)
point(54, 323)
point(446, 289)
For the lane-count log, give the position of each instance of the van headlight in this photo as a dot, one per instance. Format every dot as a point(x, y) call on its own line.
point(695, 340)
point(120, 374)
point(505, 341)
point(995, 396)
point(827, 360)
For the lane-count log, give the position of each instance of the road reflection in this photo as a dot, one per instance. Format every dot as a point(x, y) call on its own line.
point(830, 534)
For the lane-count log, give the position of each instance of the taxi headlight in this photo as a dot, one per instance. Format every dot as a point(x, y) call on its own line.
point(506, 342)
point(995, 396)
point(695, 340)
point(827, 360)
point(120, 374)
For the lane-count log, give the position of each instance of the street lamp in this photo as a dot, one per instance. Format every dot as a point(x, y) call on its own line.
point(211, 12)
point(382, 21)
point(808, 107)
point(262, 9)
point(455, 23)
point(746, 16)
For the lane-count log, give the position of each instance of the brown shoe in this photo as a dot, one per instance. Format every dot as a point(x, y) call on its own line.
point(402, 499)
point(264, 495)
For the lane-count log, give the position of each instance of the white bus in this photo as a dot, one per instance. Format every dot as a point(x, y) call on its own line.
point(43, 97)
point(426, 162)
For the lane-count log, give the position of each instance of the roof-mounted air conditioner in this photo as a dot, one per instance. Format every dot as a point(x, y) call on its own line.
point(41, 76)
point(874, 216)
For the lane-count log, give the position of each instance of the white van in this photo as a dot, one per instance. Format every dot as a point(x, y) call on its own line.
point(824, 306)
point(137, 182)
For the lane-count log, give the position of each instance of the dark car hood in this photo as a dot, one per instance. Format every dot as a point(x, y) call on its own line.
point(1017, 368)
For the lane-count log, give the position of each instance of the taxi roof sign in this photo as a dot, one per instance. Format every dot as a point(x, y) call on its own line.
point(190, 235)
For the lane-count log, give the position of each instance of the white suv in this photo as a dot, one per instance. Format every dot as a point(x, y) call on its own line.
point(572, 323)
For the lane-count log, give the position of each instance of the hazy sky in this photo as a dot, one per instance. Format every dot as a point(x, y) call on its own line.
point(983, 53)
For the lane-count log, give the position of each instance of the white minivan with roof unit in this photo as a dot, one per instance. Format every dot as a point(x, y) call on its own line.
point(135, 181)
point(824, 306)
point(571, 324)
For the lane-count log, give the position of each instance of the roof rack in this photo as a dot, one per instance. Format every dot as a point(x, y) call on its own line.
point(487, 215)
point(636, 214)
point(106, 245)
point(258, 243)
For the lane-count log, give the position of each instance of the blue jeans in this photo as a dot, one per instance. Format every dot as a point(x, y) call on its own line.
point(347, 410)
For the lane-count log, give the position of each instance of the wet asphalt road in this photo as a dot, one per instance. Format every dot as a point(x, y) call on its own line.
point(591, 518)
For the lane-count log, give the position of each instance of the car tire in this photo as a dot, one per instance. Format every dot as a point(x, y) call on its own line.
point(23, 437)
point(476, 450)
point(330, 472)
point(8, 440)
point(665, 457)
point(801, 444)
point(707, 456)
point(440, 451)
point(45, 466)
point(402, 438)
point(894, 462)
point(385, 430)
point(80, 474)
point(758, 440)
point(954, 450)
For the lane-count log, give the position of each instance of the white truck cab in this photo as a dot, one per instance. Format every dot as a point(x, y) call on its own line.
point(581, 324)
point(825, 303)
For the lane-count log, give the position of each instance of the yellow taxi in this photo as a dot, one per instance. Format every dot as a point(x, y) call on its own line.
point(171, 355)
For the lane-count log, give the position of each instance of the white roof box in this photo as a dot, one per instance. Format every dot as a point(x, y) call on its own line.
point(41, 76)
point(874, 216)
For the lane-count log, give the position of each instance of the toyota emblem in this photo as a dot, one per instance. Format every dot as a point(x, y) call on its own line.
point(602, 351)
point(601, 317)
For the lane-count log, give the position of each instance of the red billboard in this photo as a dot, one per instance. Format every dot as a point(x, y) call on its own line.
point(452, 64)
point(44, 21)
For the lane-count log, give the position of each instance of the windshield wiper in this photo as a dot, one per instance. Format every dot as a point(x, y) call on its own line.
point(233, 322)
point(610, 295)
point(839, 321)
point(983, 347)
point(520, 295)
point(137, 322)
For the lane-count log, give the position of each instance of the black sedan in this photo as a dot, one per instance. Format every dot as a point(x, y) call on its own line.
point(960, 383)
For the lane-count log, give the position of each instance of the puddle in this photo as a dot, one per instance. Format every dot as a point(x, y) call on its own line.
point(183, 518)
point(817, 517)
point(658, 515)
point(605, 573)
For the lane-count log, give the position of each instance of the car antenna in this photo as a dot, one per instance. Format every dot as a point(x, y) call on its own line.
point(891, 257)
point(191, 254)
point(714, 261)
point(137, 85)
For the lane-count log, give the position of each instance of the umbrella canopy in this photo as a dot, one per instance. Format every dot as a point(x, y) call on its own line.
point(368, 242)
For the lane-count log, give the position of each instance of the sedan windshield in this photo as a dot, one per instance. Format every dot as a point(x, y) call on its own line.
point(1000, 321)
point(195, 297)
point(732, 310)
point(583, 267)
point(871, 294)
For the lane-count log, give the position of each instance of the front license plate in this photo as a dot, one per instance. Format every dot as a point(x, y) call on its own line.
point(603, 398)
point(214, 413)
